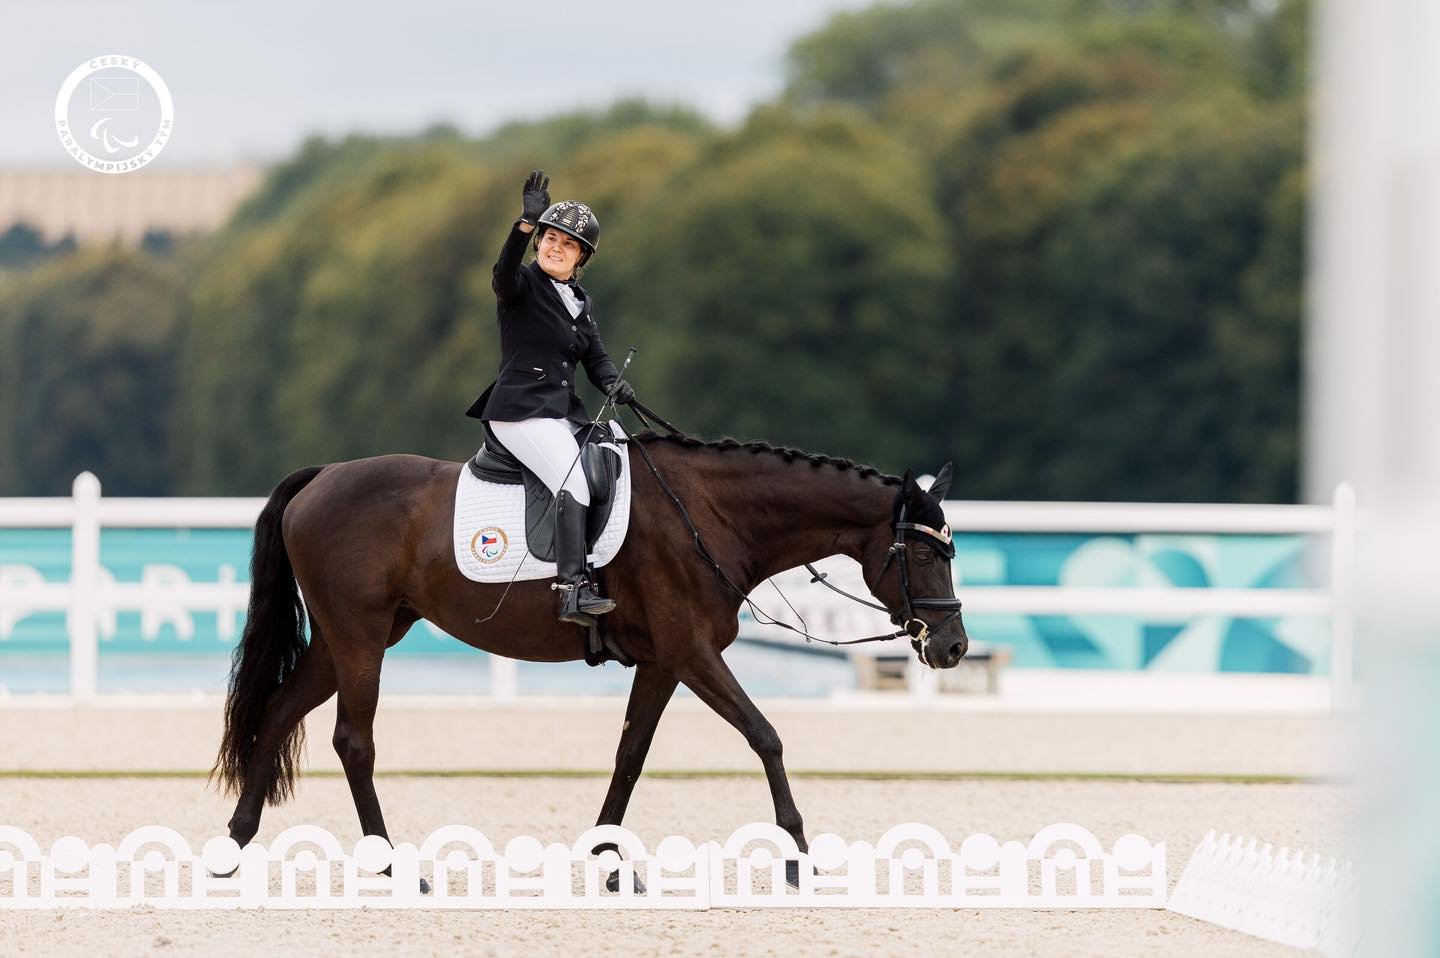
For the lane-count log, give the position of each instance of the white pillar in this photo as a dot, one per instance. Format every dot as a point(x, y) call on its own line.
point(83, 617)
point(1348, 295)
point(1372, 334)
point(504, 678)
point(1343, 589)
point(1372, 415)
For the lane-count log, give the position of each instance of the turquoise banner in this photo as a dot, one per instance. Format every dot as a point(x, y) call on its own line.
point(1181, 644)
point(1201, 644)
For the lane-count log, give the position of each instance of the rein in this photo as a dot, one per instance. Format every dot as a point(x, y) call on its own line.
point(907, 621)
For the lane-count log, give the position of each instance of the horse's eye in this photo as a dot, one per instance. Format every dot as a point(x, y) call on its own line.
point(923, 554)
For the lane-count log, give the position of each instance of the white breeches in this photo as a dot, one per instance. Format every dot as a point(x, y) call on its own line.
point(548, 449)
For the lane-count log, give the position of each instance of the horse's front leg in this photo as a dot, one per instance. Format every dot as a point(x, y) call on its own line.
point(711, 679)
point(649, 694)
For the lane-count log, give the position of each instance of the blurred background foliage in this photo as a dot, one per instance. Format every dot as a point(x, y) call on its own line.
point(1057, 241)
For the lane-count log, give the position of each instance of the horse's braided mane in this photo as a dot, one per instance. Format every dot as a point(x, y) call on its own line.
point(759, 445)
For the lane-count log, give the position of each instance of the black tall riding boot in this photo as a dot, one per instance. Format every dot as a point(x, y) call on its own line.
point(578, 601)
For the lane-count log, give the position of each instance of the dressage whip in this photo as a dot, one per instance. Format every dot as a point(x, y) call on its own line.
point(609, 403)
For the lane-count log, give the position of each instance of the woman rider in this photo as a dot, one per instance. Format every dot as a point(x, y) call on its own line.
point(546, 330)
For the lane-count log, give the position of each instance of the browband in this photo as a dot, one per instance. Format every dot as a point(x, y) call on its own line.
point(941, 535)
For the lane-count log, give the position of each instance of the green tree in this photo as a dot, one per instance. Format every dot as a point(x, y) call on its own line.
point(357, 318)
point(1145, 336)
point(87, 373)
point(529, 143)
point(1078, 380)
point(791, 277)
point(22, 245)
point(1058, 240)
point(325, 335)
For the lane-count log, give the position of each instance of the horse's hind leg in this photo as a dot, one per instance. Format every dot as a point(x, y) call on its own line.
point(359, 641)
point(354, 739)
point(358, 675)
point(312, 682)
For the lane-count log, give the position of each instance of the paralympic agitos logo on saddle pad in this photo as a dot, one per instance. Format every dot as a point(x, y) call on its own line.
point(489, 544)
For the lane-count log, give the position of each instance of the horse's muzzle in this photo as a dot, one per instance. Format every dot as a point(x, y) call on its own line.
point(943, 651)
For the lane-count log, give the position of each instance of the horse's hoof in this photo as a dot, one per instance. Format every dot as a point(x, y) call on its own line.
point(612, 884)
point(424, 887)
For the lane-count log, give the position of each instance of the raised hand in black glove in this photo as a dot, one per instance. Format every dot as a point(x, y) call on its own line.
point(536, 197)
point(623, 393)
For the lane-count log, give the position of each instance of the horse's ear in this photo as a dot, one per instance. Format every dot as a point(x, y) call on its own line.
point(941, 485)
point(910, 489)
point(910, 495)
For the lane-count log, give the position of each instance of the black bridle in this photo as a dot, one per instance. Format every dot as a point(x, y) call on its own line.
point(910, 626)
point(905, 618)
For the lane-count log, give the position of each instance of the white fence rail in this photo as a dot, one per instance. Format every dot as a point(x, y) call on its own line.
point(91, 597)
point(830, 616)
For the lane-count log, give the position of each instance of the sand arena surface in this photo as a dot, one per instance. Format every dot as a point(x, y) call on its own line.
point(581, 735)
point(558, 809)
point(415, 733)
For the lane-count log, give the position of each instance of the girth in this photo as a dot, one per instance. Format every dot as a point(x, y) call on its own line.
point(599, 463)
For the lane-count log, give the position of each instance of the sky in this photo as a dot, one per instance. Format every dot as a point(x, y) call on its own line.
point(250, 80)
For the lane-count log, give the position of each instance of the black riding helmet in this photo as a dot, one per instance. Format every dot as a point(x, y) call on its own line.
point(573, 218)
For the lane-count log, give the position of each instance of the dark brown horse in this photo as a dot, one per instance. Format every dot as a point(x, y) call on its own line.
point(370, 544)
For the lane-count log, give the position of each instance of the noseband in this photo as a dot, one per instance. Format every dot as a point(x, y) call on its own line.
point(910, 626)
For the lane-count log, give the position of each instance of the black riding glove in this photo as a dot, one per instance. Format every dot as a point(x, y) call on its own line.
point(624, 393)
point(536, 197)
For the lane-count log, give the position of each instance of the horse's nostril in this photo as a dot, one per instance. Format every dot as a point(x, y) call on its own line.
point(957, 651)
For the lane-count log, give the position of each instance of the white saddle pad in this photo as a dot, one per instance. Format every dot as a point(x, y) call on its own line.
point(490, 526)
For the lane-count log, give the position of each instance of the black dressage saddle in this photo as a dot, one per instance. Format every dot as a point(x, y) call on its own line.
point(601, 465)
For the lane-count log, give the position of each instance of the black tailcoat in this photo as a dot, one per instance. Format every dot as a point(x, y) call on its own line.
point(541, 345)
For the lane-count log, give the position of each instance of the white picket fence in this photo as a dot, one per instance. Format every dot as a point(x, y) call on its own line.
point(305, 866)
point(1290, 896)
point(92, 597)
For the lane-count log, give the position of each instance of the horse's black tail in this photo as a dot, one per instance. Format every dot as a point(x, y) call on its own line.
point(269, 649)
